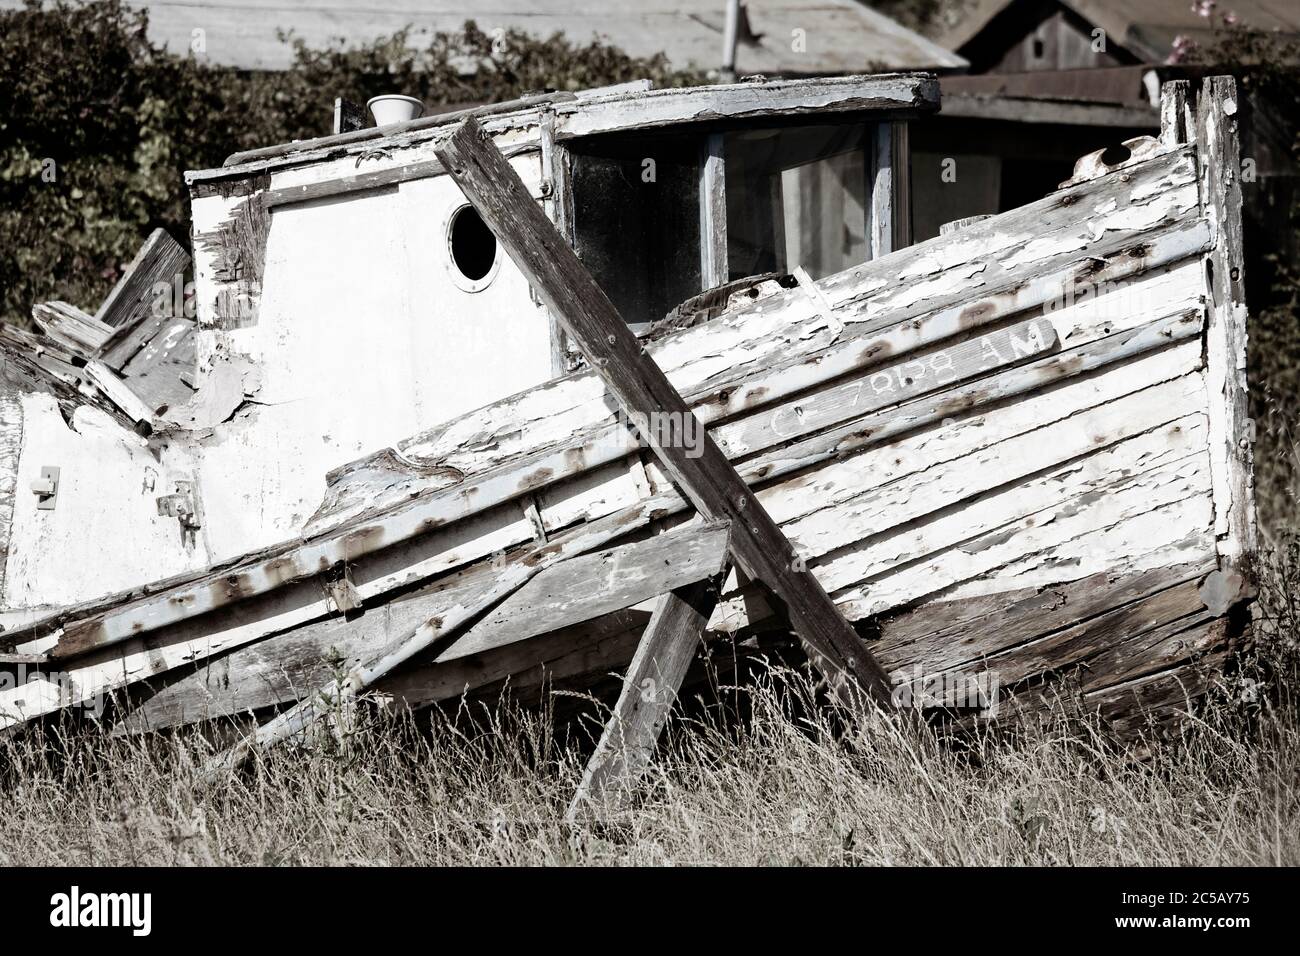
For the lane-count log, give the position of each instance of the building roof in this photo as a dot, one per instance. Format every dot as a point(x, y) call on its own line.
point(841, 36)
point(1146, 28)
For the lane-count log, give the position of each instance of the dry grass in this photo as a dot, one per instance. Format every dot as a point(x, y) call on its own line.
point(782, 788)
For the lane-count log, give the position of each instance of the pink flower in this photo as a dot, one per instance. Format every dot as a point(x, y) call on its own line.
point(1230, 18)
point(1203, 7)
point(1182, 46)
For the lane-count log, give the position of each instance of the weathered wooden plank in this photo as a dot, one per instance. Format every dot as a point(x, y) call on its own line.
point(1231, 429)
point(117, 392)
point(159, 261)
point(1128, 706)
point(947, 635)
point(588, 586)
point(1175, 112)
point(642, 389)
point(558, 203)
point(649, 691)
point(82, 334)
point(901, 183)
point(576, 590)
point(892, 94)
point(1105, 644)
point(881, 215)
point(327, 701)
point(158, 372)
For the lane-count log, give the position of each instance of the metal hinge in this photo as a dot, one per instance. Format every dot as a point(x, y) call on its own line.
point(46, 488)
point(181, 505)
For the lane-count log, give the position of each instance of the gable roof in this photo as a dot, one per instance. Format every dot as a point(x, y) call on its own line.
point(842, 36)
point(1146, 28)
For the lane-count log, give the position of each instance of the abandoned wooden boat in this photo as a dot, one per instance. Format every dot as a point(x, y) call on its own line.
point(388, 453)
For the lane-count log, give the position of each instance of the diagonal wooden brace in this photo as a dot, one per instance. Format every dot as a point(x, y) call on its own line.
point(650, 689)
point(702, 471)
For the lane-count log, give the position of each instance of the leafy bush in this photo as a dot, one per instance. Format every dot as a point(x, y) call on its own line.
point(97, 124)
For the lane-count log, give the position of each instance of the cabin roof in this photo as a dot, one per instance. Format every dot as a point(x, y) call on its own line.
point(843, 36)
point(624, 108)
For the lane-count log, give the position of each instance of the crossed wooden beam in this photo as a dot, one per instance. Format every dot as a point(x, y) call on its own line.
point(704, 475)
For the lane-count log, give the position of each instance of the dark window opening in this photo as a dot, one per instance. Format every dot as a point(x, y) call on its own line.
point(473, 247)
point(636, 212)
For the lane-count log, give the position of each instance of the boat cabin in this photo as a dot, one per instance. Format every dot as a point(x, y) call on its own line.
point(373, 302)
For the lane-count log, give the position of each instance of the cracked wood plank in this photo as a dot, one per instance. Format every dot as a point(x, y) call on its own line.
point(1219, 155)
point(130, 304)
point(643, 390)
point(75, 330)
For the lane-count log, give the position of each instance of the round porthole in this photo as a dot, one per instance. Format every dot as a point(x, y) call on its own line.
point(471, 250)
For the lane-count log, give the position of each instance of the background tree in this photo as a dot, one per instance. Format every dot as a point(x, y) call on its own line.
point(97, 125)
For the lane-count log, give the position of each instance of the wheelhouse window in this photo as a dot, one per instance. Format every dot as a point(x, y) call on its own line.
point(646, 209)
point(796, 197)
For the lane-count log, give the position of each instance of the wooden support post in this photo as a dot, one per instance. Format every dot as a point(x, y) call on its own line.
point(557, 200)
point(649, 691)
point(880, 190)
point(1219, 155)
point(658, 411)
point(713, 213)
point(901, 165)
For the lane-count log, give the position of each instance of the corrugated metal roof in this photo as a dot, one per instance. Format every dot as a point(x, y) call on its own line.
point(841, 36)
